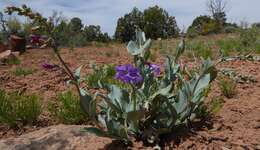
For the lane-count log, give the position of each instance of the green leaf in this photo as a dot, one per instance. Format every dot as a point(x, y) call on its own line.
point(143, 36)
point(88, 103)
point(164, 92)
point(180, 49)
point(119, 97)
point(139, 36)
point(113, 106)
point(203, 83)
point(133, 48)
point(147, 45)
point(208, 67)
point(77, 72)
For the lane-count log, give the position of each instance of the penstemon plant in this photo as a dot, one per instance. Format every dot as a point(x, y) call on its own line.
point(157, 101)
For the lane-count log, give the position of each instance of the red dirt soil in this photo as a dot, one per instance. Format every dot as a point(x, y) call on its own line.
point(235, 126)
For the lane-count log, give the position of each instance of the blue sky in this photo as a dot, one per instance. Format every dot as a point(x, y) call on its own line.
point(106, 12)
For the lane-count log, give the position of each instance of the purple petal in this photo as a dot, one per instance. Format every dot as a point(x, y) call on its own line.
point(128, 74)
point(48, 66)
point(155, 68)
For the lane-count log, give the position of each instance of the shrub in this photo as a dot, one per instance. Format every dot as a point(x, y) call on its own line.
point(104, 74)
point(228, 45)
point(67, 110)
point(216, 104)
point(248, 36)
point(152, 105)
point(203, 25)
point(16, 109)
point(227, 87)
point(22, 71)
point(207, 110)
point(230, 29)
point(200, 49)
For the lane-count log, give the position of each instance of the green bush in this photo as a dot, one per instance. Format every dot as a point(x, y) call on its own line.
point(16, 109)
point(216, 104)
point(22, 71)
point(67, 110)
point(104, 73)
point(227, 87)
point(204, 25)
point(200, 48)
point(228, 45)
point(247, 40)
point(248, 37)
point(230, 29)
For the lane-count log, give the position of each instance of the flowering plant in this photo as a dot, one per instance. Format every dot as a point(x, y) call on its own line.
point(154, 104)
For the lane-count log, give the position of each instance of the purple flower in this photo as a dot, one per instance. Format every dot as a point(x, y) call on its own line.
point(155, 68)
point(128, 74)
point(48, 66)
point(35, 39)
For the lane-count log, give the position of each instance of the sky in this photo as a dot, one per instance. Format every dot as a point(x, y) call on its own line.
point(106, 12)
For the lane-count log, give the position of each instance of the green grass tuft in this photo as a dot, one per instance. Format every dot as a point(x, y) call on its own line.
point(22, 71)
point(216, 104)
point(14, 61)
point(16, 109)
point(67, 110)
point(227, 87)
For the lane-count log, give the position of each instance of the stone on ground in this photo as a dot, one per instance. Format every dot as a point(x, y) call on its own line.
point(60, 137)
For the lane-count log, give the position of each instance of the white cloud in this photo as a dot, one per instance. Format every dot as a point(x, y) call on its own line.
point(106, 12)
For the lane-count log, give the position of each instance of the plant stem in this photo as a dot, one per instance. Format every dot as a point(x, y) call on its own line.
point(68, 71)
point(134, 97)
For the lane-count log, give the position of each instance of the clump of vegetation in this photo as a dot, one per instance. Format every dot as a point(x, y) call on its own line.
point(203, 25)
point(228, 45)
point(14, 61)
point(151, 104)
point(200, 49)
point(227, 87)
point(155, 21)
point(104, 74)
point(19, 71)
point(18, 109)
point(249, 38)
point(213, 23)
point(216, 104)
point(67, 109)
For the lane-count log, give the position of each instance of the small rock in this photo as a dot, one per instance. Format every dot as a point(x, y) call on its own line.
point(7, 56)
point(29, 46)
point(224, 148)
point(16, 54)
point(65, 137)
point(228, 146)
point(257, 147)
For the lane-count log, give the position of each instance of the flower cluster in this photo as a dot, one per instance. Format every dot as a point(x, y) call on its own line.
point(154, 68)
point(128, 74)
